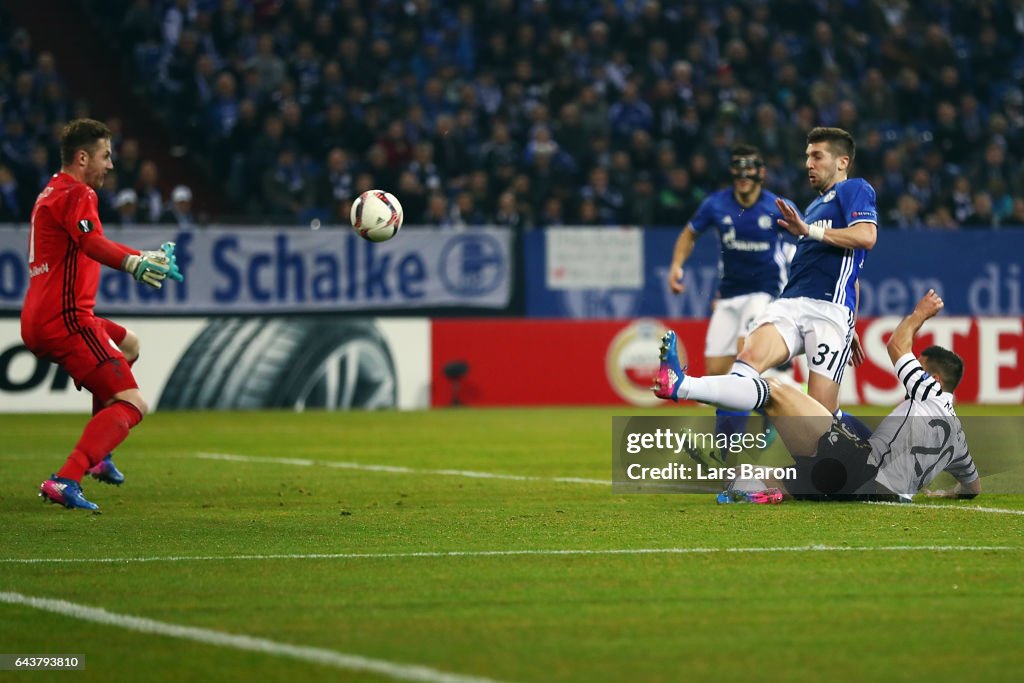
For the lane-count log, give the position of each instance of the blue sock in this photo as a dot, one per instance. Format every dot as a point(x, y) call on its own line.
point(730, 422)
point(854, 425)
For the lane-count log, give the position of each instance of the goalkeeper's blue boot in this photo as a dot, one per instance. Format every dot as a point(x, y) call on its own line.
point(671, 372)
point(106, 471)
point(65, 492)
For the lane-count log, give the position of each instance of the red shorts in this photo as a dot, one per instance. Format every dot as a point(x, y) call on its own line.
point(91, 356)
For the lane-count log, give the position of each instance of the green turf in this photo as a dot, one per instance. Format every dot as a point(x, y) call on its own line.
point(783, 615)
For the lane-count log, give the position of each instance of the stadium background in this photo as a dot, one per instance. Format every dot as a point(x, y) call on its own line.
point(510, 131)
point(546, 154)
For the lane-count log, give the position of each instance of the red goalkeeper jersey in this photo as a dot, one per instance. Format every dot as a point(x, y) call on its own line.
point(65, 249)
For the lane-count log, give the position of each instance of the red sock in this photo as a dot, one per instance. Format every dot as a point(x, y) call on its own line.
point(105, 431)
point(97, 405)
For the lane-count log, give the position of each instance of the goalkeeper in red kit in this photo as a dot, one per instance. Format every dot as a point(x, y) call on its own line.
point(65, 251)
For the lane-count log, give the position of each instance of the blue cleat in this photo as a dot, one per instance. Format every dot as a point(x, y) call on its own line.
point(65, 492)
point(671, 372)
point(106, 471)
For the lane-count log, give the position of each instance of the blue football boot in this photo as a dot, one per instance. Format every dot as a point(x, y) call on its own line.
point(106, 471)
point(65, 492)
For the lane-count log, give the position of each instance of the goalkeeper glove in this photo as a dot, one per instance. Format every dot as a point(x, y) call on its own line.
point(149, 267)
point(172, 262)
point(153, 267)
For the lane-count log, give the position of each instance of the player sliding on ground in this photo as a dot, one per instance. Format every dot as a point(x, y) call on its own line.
point(900, 457)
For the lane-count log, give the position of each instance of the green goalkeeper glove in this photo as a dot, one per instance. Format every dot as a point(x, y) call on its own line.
point(149, 267)
point(172, 262)
point(153, 267)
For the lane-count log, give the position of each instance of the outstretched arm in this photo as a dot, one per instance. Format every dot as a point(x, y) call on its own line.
point(902, 340)
point(684, 247)
point(968, 490)
point(148, 267)
point(109, 253)
point(862, 235)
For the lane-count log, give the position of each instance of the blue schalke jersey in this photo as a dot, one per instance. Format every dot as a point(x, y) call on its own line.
point(821, 271)
point(752, 259)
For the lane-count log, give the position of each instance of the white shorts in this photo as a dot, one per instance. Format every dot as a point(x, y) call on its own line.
point(821, 329)
point(731, 320)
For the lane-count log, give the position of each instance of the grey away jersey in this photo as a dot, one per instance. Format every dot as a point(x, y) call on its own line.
point(921, 437)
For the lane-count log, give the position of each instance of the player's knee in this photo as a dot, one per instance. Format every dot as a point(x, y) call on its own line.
point(141, 404)
point(780, 393)
point(752, 357)
point(130, 345)
point(778, 387)
point(133, 397)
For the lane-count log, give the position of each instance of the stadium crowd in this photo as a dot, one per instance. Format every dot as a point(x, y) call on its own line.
point(534, 113)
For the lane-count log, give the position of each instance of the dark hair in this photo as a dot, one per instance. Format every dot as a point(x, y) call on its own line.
point(945, 363)
point(81, 134)
point(840, 143)
point(744, 150)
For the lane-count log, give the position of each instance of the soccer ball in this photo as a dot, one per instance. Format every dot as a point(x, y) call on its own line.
point(376, 215)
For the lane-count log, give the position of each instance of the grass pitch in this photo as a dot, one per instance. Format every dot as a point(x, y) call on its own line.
point(358, 545)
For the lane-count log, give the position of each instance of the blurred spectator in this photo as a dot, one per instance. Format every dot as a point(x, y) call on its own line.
point(552, 214)
point(287, 191)
point(507, 213)
point(1016, 217)
point(941, 219)
point(10, 204)
point(961, 201)
point(150, 199)
point(437, 213)
point(981, 215)
point(127, 163)
point(906, 215)
point(678, 200)
point(414, 197)
point(335, 183)
point(423, 167)
point(466, 214)
point(642, 205)
point(126, 204)
point(629, 113)
point(608, 201)
point(179, 212)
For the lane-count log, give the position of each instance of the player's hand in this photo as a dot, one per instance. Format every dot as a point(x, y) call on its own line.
point(929, 305)
point(149, 267)
point(675, 280)
point(791, 220)
point(857, 355)
point(940, 494)
point(172, 262)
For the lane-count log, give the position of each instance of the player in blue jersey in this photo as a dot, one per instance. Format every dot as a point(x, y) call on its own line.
point(752, 267)
point(816, 311)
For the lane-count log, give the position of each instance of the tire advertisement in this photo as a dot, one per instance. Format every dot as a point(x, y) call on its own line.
point(245, 363)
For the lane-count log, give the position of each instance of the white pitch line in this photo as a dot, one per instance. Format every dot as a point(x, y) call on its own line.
point(817, 548)
point(397, 469)
point(315, 655)
point(976, 508)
